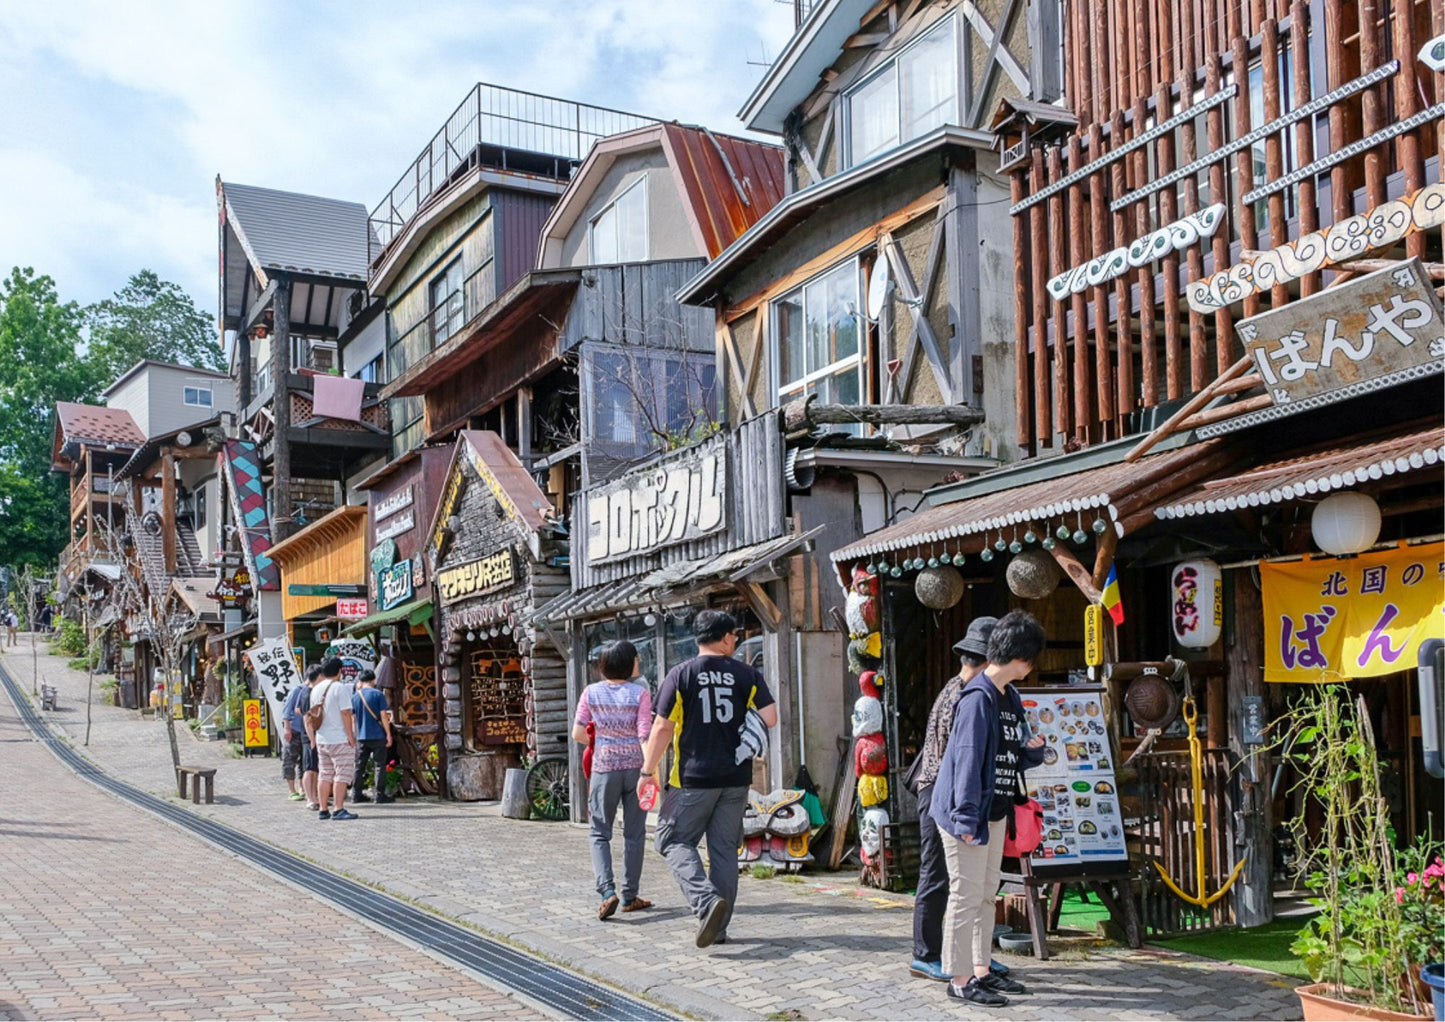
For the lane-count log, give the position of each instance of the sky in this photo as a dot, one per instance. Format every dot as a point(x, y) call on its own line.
point(116, 118)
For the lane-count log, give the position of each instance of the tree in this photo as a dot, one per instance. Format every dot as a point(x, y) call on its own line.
point(150, 318)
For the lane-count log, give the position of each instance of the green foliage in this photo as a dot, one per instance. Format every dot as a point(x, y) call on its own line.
point(235, 708)
point(759, 871)
point(69, 638)
point(150, 318)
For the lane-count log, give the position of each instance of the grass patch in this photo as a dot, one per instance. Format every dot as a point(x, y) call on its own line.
point(761, 872)
point(790, 878)
point(1261, 947)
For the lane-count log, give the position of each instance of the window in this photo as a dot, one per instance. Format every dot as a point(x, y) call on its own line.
point(619, 233)
point(817, 339)
point(446, 302)
point(638, 401)
point(198, 396)
point(371, 372)
point(906, 98)
point(199, 518)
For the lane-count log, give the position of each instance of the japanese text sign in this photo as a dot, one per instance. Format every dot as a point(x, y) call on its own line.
point(681, 498)
point(276, 671)
point(1384, 328)
point(477, 577)
point(1327, 619)
point(351, 609)
point(394, 585)
point(257, 734)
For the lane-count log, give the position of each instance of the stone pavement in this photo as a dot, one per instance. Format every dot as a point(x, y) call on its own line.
point(820, 948)
point(108, 912)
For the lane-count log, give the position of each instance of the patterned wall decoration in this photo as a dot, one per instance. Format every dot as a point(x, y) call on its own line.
point(418, 695)
point(248, 504)
point(1169, 238)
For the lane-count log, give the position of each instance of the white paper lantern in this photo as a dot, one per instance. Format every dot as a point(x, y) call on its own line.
point(1197, 613)
point(1346, 523)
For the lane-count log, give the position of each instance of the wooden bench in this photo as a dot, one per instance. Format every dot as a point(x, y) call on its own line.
point(49, 698)
point(196, 775)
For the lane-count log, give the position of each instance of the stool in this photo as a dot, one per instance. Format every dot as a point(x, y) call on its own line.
point(196, 775)
point(48, 697)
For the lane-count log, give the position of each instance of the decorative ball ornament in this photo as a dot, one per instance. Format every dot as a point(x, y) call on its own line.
point(872, 568)
point(1049, 543)
point(895, 571)
point(1000, 544)
point(1346, 523)
point(1099, 526)
point(882, 567)
point(945, 558)
point(1080, 537)
point(938, 588)
point(1030, 538)
point(1032, 575)
point(1062, 532)
point(933, 562)
point(985, 554)
point(1015, 547)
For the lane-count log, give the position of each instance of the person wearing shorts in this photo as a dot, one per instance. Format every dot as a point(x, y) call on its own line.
point(335, 742)
point(297, 756)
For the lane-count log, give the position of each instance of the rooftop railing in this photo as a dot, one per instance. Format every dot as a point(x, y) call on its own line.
point(500, 127)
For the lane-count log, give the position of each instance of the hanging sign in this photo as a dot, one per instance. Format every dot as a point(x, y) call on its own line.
point(477, 577)
point(256, 734)
point(232, 589)
point(356, 656)
point(351, 609)
point(676, 500)
point(383, 555)
point(276, 671)
point(1197, 603)
point(1329, 619)
point(401, 524)
point(394, 586)
point(1094, 635)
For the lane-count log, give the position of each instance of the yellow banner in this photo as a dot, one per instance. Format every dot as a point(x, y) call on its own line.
point(257, 734)
point(1328, 619)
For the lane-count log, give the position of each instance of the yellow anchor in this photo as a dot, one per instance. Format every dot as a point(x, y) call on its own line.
point(1196, 758)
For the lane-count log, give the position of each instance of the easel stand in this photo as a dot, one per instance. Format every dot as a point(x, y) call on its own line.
point(1112, 886)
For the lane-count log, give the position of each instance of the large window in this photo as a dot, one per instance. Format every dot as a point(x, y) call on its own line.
point(909, 96)
point(446, 302)
point(619, 233)
point(638, 401)
point(817, 339)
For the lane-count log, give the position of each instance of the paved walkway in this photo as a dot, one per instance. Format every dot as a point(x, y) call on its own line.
point(816, 949)
point(106, 912)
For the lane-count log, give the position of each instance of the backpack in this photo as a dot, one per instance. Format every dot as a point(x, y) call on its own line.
point(316, 713)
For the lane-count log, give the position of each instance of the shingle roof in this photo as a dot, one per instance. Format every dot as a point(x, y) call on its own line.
point(94, 424)
point(300, 233)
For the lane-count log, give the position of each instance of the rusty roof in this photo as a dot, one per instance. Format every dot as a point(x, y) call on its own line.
point(511, 482)
point(1315, 473)
point(729, 182)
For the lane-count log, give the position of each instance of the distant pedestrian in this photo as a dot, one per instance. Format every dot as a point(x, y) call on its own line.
point(297, 754)
point(12, 626)
point(620, 711)
point(372, 713)
point(931, 896)
point(702, 708)
point(979, 782)
point(335, 740)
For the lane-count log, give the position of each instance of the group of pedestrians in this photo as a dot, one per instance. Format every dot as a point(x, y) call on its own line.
point(335, 736)
point(712, 711)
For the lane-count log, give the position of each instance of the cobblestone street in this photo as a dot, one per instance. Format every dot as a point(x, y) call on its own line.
point(817, 949)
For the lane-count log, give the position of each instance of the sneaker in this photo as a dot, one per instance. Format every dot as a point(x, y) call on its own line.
point(314, 806)
point(1003, 985)
point(296, 796)
point(711, 922)
point(997, 968)
point(359, 797)
point(928, 970)
point(976, 993)
point(323, 815)
point(343, 814)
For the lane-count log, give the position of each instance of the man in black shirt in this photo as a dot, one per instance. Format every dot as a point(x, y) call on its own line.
point(702, 708)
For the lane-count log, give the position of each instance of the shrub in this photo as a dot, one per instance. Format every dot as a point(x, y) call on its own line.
point(70, 640)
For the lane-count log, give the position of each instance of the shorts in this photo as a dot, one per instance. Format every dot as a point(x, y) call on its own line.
point(338, 762)
point(308, 757)
point(292, 756)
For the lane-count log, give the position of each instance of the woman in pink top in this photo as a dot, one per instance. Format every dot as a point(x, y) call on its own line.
point(620, 711)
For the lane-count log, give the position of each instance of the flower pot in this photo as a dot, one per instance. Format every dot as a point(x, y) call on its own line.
point(1434, 978)
point(1319, 1006)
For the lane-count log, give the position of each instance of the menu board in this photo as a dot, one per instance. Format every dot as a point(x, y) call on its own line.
point(1075, 785)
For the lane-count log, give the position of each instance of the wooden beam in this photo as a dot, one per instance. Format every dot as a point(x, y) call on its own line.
point(1080, 575)
point(168, 512)
point(735, 363)
point(903, 276)
point(1104, 556)
point(761, 604)
point(806, 413)
point(1195, 403)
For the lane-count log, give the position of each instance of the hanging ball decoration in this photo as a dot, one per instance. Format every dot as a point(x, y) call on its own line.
point(1015, 547)
point(1030, 538)
point(1050, 543)
point(882, 567)
point(938, 588)
point(1000, 544)
point(1346, 523)
point(985, 554)
point(1080, 537)
point(945, 558)
point(1099, 526)
point(1062, 532)
point(872, 568)
point(933, 562)
point(1032, 575)
point(895, 571)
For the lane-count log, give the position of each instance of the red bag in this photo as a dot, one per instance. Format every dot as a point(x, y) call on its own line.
point(1025, 829)
point(587, 752)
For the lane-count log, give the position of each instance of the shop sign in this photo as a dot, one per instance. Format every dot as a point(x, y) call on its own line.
point(256, 734)
point(682, 498)
point(393, 586)
point(1384, 328)
point(477, 577)
point(402, 523)
point(1252, 720)
point(232, 589)
point(276, 671)
point(351, 609)
point(356, 656)
point(451, 500)
point(1094, 634)
point(1328, 619)
point(391, 505)
point(383, 555)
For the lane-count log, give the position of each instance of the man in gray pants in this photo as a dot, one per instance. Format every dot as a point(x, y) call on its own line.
point(702, 708)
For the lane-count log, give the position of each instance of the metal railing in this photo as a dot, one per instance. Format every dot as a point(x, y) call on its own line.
point(442, 321)
point(518, 122)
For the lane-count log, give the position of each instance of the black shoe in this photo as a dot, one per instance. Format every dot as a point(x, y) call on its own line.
point(359, 797)
point(1003, 985)
point(383, 800)
point(976, 993)
point(323, 815)
point(711, 923)
point(997, 968)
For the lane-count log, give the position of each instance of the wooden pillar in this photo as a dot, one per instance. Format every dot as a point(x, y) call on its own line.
point(524, 426)
point(281, 506)
point(960, 247)
point(1407, 104)
point(1253, 902)
point(168, 512)
point(1023, 380)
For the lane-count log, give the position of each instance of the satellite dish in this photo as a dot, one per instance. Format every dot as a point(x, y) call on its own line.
point(879, 285)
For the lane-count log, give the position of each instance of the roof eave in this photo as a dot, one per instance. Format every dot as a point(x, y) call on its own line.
point(813, 48)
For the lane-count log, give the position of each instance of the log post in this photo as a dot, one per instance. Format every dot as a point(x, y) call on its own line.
point(1244, 652)
point(168, 512)
point(281, 506)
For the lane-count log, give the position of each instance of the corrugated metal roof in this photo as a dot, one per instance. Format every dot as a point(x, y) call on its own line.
point(300, 233)
point(1314, 474)
point(94, 424)
point(529, 504)
point(729, 183)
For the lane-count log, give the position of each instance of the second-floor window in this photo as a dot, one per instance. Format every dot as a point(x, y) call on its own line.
point(817, 337)
point(619, 233)
point(907, 97)
point(446, 302)
point(371, 372)
point(198, 395)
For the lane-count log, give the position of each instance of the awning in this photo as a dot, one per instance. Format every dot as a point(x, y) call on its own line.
point(235, 633)
point(195, 594)
point(1315, 474)
point(417, 612)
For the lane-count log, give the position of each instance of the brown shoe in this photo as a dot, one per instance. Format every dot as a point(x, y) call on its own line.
point(608, 906)
point(636, 905)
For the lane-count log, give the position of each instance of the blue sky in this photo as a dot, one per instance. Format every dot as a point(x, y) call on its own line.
point(117, 117)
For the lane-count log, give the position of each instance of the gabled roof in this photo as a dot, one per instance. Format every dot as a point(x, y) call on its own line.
point(147, 363)
point(91, 424)
point(812, 50)
point(726, 183)
point(507, 479)
point(148, 452)
point(297, 233)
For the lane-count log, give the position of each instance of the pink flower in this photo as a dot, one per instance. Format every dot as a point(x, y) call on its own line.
point(1413, 877)
point(1399, 895)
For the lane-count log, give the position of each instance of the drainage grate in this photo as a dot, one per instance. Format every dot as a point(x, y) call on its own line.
point(567, 993)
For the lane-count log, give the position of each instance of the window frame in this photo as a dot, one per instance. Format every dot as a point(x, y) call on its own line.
point(782, 391)
point(439, 335)
point(611, 208)
point(893, 65)
point(198, 389)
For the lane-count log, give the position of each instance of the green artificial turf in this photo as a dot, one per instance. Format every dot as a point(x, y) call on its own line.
point(1261, 947)
point(1078, 914)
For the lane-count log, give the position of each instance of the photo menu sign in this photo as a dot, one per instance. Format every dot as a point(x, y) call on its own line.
point(1075, 785)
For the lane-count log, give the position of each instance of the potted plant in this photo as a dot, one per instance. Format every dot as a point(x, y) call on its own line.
point(1375, 927)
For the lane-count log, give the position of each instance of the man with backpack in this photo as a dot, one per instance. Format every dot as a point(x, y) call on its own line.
point(333, 732)
point(297, 753)
point(372, 713)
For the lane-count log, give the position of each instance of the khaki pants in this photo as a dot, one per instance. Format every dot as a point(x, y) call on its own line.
point(973, 872)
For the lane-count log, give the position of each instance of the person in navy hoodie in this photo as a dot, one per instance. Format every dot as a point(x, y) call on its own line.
point(978, 784)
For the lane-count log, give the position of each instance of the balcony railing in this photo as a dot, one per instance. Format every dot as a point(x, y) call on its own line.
point(511, 122)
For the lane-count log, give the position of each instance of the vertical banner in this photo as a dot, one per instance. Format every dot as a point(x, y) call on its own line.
point(257, 734)
point(1329, 619)
point(276, 672)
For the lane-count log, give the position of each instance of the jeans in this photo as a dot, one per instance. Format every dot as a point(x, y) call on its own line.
point(688, 815)
point(931, 898)
point(370, 752)
point(608, 788)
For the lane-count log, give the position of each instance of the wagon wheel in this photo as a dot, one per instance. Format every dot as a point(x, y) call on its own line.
point(548, 789)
